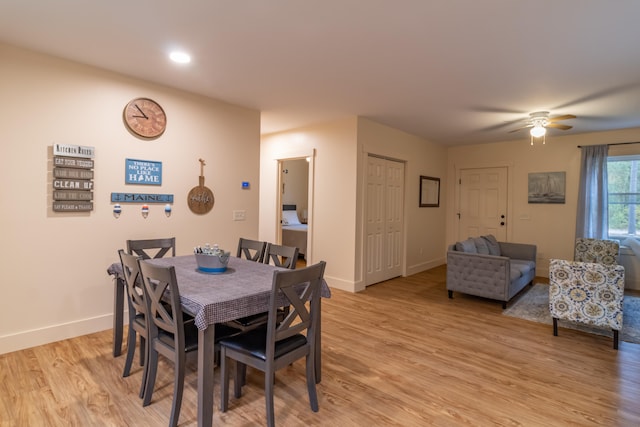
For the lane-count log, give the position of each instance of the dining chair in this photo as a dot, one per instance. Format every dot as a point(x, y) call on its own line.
point(281, 256)
point(152, 248)
point(171, 332)
point(278, 344)
point(253, 250)
point(137, 315)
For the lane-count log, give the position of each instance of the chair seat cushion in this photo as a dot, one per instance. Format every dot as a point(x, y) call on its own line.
point(254, 343)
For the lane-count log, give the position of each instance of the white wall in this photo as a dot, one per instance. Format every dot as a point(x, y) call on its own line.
point(550, 227)
point(425, 233)
point(332, 218)
point(336, 222)
point(54, 265)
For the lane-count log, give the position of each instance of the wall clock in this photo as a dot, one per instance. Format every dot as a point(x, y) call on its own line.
point(144, 117)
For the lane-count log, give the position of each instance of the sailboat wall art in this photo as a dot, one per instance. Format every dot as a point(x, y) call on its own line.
point(547, 187)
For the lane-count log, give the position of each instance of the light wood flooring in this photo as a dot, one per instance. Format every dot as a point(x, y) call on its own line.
point(398, 354)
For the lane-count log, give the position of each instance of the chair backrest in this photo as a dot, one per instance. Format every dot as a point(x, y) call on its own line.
point(163, 316)
point(585, 292)
point(282, 256)
point(294, 288)
point(596, 250)
point(133, 282)
point(253, 250)
point(145, 248)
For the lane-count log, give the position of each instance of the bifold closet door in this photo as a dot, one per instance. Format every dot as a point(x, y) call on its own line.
point(384, 219)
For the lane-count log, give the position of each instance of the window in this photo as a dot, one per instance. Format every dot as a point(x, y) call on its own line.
point(623, 174)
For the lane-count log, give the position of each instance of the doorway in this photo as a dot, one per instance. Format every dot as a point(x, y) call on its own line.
point(294, 195)
point(483, 203)
point(384, 219)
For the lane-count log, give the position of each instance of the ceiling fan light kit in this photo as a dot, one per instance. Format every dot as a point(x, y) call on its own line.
point(540, 121)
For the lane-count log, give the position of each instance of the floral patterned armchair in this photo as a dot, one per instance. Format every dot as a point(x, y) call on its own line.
point(596, 250)
point(587, 293)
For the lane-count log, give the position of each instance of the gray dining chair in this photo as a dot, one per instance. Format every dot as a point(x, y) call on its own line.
point(152, 248)
point(137, 315)
point(172, 333)
point(278, 344)
point(281, 256)
point(253, 250)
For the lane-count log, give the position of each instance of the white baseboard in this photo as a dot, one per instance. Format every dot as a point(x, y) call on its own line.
point(423, 266)
point(53, 333)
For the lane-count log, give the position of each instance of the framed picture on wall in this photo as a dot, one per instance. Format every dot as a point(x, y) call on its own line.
point(429, 192)
point(547, 187)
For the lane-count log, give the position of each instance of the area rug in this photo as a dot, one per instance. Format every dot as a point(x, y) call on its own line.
point(533, 305)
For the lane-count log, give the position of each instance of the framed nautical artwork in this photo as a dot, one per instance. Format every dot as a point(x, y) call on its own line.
point(547, 187)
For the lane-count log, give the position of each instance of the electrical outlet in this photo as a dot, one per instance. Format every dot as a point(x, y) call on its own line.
point(239, 215)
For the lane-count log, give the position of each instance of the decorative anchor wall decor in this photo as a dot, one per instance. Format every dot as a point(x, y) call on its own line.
point(200, 198)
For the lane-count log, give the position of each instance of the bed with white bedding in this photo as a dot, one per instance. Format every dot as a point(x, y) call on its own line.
point(294, 233)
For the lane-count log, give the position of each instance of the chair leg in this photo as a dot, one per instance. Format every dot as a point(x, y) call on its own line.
point(240, 378)
point(152, 371)
point(145, 370)
point(555, 327)
point(131, 348)
point(224, 381)
point(268, 397)
point(178, 388)
point(450, 294)
point(142, 352)
point(504, 305)
point(615, 339)
point(311, 382)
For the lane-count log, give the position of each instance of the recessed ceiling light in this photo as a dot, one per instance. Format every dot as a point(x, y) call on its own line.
point(180, 57)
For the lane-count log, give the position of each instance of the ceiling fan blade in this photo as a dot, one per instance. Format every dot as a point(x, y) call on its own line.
point(519, 129)
point(559, 126)
point(565, 117)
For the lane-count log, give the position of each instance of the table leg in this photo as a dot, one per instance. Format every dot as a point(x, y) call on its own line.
point(205, 376)
point(118, 314)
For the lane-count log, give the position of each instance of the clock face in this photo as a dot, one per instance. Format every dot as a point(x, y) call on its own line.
point(145, 117)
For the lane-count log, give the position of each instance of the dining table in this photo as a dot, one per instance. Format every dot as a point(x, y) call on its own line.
point(243, 289)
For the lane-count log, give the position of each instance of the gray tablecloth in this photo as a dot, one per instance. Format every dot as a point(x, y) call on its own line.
point(244, 289)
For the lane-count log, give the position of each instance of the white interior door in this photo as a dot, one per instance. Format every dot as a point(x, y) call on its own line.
point(384, 219)
point(483, 203)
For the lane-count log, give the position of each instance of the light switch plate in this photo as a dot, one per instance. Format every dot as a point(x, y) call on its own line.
point(239, 215)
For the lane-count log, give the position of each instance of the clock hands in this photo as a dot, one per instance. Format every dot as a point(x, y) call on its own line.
point(141, 112)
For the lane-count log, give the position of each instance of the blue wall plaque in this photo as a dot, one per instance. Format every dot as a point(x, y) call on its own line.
point(143, 172)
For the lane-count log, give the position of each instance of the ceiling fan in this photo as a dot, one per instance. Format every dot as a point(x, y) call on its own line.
point(540, 121)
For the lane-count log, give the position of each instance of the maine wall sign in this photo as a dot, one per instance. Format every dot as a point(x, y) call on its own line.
point(141, 198)
point(72, 178)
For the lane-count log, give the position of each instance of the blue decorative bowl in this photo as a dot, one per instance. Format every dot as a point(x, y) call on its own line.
point(213, 263)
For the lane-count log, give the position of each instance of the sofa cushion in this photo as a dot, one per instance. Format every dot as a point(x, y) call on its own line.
point(492, 244)
point(466, 246)
point(481, 245)
point(522, 265)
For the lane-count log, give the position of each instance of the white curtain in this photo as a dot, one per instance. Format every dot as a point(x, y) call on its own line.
point(592, 220)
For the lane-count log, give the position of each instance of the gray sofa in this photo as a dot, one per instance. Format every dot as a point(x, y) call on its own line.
point(486, 268)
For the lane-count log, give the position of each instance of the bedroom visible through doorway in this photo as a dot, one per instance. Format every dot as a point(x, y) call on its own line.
point(294, 202)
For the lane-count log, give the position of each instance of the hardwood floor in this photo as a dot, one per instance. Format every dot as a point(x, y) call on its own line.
point(400, 353)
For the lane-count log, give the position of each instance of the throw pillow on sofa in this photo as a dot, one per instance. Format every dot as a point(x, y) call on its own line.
point(481, 246)
point(467, 246)
point(492, 244)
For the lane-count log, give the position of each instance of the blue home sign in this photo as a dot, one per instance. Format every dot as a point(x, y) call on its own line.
point(143, 172)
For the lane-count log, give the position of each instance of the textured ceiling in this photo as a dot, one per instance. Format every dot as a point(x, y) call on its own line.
point(453, 72)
